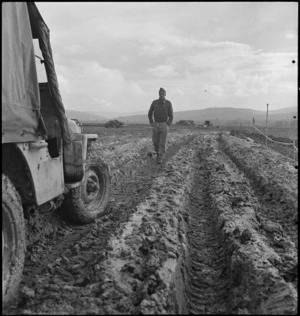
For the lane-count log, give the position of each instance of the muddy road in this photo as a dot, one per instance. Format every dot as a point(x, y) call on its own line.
point(213, 229)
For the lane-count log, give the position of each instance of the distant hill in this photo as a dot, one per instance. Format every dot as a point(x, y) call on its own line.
point(285, 111)
point(219, 116)
point(84, 116)
point(112, 114)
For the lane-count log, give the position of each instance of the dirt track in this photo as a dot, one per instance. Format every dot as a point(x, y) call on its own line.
point(213, 229)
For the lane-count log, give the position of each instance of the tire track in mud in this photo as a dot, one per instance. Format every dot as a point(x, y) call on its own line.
point(208, 282)
point(273, 210)
point(70, 258)
point(71, 278)
point(281, 234)
point(279, 228)
point(276, 233)
point(214, 283)
point(272, 207)
point(133, 191)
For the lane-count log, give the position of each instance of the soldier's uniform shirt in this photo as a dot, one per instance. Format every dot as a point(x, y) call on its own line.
point(162, 110)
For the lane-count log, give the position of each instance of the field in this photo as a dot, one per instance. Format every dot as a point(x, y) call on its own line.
point(280, 139)
point(212, 230)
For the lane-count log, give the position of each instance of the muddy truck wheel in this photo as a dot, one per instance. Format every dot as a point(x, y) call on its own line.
point(84, 204)
point(13, 241)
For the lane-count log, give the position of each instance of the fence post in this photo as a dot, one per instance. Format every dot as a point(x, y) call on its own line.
point(267, 125)
point(294, 145)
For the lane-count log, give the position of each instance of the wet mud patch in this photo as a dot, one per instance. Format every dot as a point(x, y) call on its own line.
point(187, 236)
point(258, 270)
point(206, 275)
point(63, 273)
point(273, 178)
point(146, 249)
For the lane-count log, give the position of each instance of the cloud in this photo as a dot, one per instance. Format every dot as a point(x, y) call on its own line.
point(90, 86)
point(108, 81)
point(163, 71)
point(73, 49)
point(64, 83)
point(180, 91)
point(227, 70)
point(290, 36)
point(215, 89)
point(215, 55)
point(135, 89)
point(153, 50)
point(115, 55)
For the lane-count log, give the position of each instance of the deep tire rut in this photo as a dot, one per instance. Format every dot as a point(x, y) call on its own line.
point(271, 206)
point(208, 281)
point(67, 256)
point(194, 219)
point(273, 210)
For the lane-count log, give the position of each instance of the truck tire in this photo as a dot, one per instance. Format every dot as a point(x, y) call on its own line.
point(85, 203)
point(13, 241)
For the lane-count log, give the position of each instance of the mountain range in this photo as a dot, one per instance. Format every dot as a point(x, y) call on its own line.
point(218, 116)
point(85, 116)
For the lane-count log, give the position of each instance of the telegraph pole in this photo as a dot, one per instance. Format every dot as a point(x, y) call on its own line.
point(267, 124)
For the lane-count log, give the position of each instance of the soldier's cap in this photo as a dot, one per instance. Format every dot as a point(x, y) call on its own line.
point(162, 90)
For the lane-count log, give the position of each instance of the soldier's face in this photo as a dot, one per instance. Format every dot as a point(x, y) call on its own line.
point(162, 95)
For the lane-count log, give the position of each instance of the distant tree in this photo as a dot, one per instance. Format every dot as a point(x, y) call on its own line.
point(114, 123)
point(185, 122)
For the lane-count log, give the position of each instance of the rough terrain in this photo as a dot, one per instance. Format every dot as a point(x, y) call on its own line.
point(213, 230)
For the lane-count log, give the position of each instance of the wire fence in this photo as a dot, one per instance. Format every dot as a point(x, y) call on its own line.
point(274, 141)
point(283, 140)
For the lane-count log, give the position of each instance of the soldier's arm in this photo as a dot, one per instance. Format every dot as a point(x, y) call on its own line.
point(170, 114)
point(150, 113)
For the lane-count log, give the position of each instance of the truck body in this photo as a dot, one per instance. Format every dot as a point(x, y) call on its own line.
point(207, 124)
point(44, 154)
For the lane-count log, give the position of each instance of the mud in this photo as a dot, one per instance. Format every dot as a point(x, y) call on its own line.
point(211, 230)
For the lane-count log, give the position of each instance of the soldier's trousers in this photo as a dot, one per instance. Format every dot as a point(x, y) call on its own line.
point(159, 136)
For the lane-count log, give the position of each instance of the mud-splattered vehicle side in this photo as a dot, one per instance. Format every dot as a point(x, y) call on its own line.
point(45, 160)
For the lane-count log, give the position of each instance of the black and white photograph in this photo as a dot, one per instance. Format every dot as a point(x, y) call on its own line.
point(150, 158)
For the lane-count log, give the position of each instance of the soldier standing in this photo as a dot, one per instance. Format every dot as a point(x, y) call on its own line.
point(163, 117)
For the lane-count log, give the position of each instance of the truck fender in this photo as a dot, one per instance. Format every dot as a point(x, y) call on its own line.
point(46, 173)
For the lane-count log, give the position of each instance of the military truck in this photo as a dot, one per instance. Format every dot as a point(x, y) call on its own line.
point(45, 160)
point(207, 124)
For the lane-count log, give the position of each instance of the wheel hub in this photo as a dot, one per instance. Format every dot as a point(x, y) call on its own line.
point(91, 189)
point(92, 186)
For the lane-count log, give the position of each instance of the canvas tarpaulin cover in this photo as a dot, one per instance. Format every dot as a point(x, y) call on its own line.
point(41, 31)
point(21, 118)
point(20, 94)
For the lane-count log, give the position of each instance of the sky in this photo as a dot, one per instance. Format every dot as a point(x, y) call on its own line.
point(114, 56)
